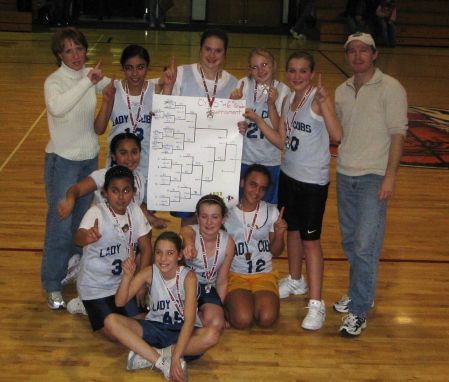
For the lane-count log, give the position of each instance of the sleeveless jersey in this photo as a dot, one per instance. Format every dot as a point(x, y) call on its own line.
point(307, 159)
point(190, 83)
point(197, 264)
point(163, 308)
point(256, 148)
point(139, 183)
point(121, 122)
point(238, 225)
point(101, 263)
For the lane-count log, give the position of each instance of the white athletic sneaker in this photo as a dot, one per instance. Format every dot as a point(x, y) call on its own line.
point(352, 325)
point(76, 306)
point(55, 300)
point(73, 268)
point(164, 363)
point(288, 286)
point(342, 305)
point(294, 33)
point(135, 361)
point(315, 316)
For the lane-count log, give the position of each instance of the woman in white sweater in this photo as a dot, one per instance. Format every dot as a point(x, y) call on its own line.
point(72, 152)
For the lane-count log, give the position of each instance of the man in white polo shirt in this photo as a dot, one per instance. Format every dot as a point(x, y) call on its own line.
point(372, 108)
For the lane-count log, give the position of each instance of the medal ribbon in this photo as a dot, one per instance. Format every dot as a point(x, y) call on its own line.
point(253, 224)
point(138, 186)
point(130, 113)
point(301, 104)
point(265, 87)
point(206, 265)
point(117, 224)
point(210, 99)
point(179, 305)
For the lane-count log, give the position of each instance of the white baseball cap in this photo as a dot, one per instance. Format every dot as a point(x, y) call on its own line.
point(366, 38)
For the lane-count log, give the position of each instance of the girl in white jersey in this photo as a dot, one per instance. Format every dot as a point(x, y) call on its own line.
point(308, 119)
point(209, 251)
point(125, 151)
point(107, 233)
point(264, 95)
point(207, 78)
point(258, 231)
point(128, 103)
point(171, 329)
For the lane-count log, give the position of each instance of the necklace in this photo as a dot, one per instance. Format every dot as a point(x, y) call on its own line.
point(130, 113)
point(210, 100)
point(127, 228)
point(210, 273)
point(265, 88)
point(177, 302)
point(251, 229)
point(289, 125)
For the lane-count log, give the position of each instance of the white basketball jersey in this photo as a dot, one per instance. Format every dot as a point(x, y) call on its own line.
point(307, 159)
point(168, 307)
point(190, 83)
point(197, 264)
point(121, 121)
point(255, 256)
point(256, 148)
point(101, 263)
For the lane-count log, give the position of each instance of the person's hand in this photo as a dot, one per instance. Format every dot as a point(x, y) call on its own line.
point(109, 91)
point(93, 233)
point(251, 114)
point(280, 225)
point(321, 93)
point(176, 372)
point(189, 252)
point(65, 208)
point(243, 126)
point(95, 75)
point(272, 95)
point(169, 75)
point(129, 264)
point(238, 92)
point(387, 187)
point(157, 222)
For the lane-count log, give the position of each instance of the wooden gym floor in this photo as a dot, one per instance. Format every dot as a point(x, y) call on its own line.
point(408, 331)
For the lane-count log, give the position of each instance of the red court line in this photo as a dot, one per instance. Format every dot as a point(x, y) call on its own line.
point(417, 261)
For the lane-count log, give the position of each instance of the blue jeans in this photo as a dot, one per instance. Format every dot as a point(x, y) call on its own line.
point(362, 224)
point(59, 175)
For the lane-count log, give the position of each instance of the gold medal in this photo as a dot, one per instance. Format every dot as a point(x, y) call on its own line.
point(125, 228)
point(210, 113)
point(248, 256)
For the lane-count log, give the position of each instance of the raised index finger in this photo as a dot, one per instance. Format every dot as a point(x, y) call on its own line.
point(281, 213)
point(173, 63)
point(241, 86)
point(98, 65)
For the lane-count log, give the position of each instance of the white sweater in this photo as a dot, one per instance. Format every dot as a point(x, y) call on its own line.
point(71, 99)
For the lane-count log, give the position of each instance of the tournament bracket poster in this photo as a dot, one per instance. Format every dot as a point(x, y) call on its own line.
point(195, 150)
